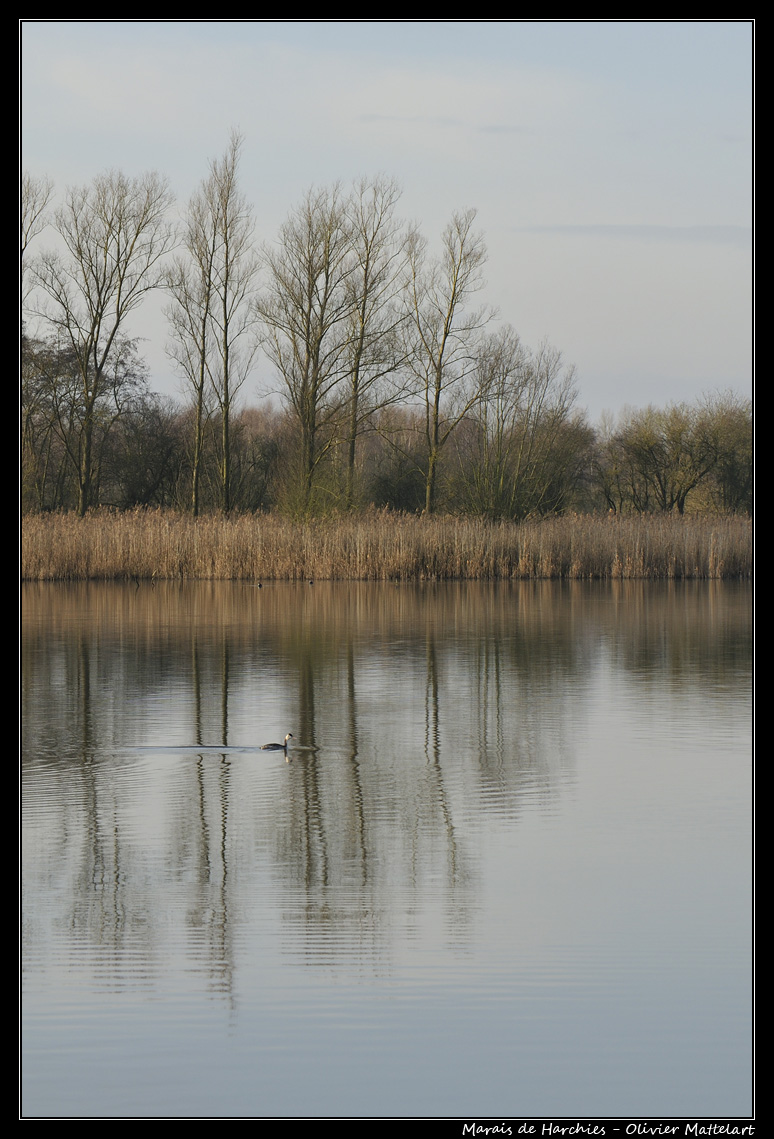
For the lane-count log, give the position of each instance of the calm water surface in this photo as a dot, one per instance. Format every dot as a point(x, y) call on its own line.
point(505, 872)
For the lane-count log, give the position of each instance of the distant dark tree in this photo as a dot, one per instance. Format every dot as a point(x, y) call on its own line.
point(47, 477)
point(256, 457)
point(53, 417)
point(142, 458)
point(394, 473)
point(526, 444)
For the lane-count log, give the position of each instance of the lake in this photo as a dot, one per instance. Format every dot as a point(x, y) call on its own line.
point(504, 870)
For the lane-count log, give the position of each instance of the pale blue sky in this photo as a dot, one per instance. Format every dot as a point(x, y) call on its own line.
point(610, 162)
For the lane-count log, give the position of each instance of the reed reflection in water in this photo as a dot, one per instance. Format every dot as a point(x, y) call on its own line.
point(504, 872)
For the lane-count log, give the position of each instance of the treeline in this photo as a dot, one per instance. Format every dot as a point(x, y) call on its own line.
point(395, 388)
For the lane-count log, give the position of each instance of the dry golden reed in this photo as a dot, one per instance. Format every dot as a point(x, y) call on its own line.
point(381, 546)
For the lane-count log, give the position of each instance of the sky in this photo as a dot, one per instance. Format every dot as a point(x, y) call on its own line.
point(610, 162)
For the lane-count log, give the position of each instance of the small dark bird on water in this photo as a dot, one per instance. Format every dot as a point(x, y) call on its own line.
point(278, 747)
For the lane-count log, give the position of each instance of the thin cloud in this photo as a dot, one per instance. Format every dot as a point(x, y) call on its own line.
point(737, 235)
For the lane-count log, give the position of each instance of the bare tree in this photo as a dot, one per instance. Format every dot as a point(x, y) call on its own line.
point(189, 349)
point(529, 437)
point(142, 461)
point(115, 234)
point(54, 433)
point(44, 464)
point(614, 472)
point(36, 194)
point(729, 421)
point(672, 450)
point(192, 286)
point(234, 273)
point(307, 311)
point(211, 317)
point(379, 253)
point(444, 335)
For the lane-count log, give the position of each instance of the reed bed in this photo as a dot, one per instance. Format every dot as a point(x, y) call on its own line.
point(381, 546)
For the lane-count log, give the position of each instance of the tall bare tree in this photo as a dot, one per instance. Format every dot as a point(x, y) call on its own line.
point(307, 312)
point(444, 334)
point(234, 274)
point(380, 246)
point(189, 348)
point(115, 234)
point(211, 317)
point(192, 286)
